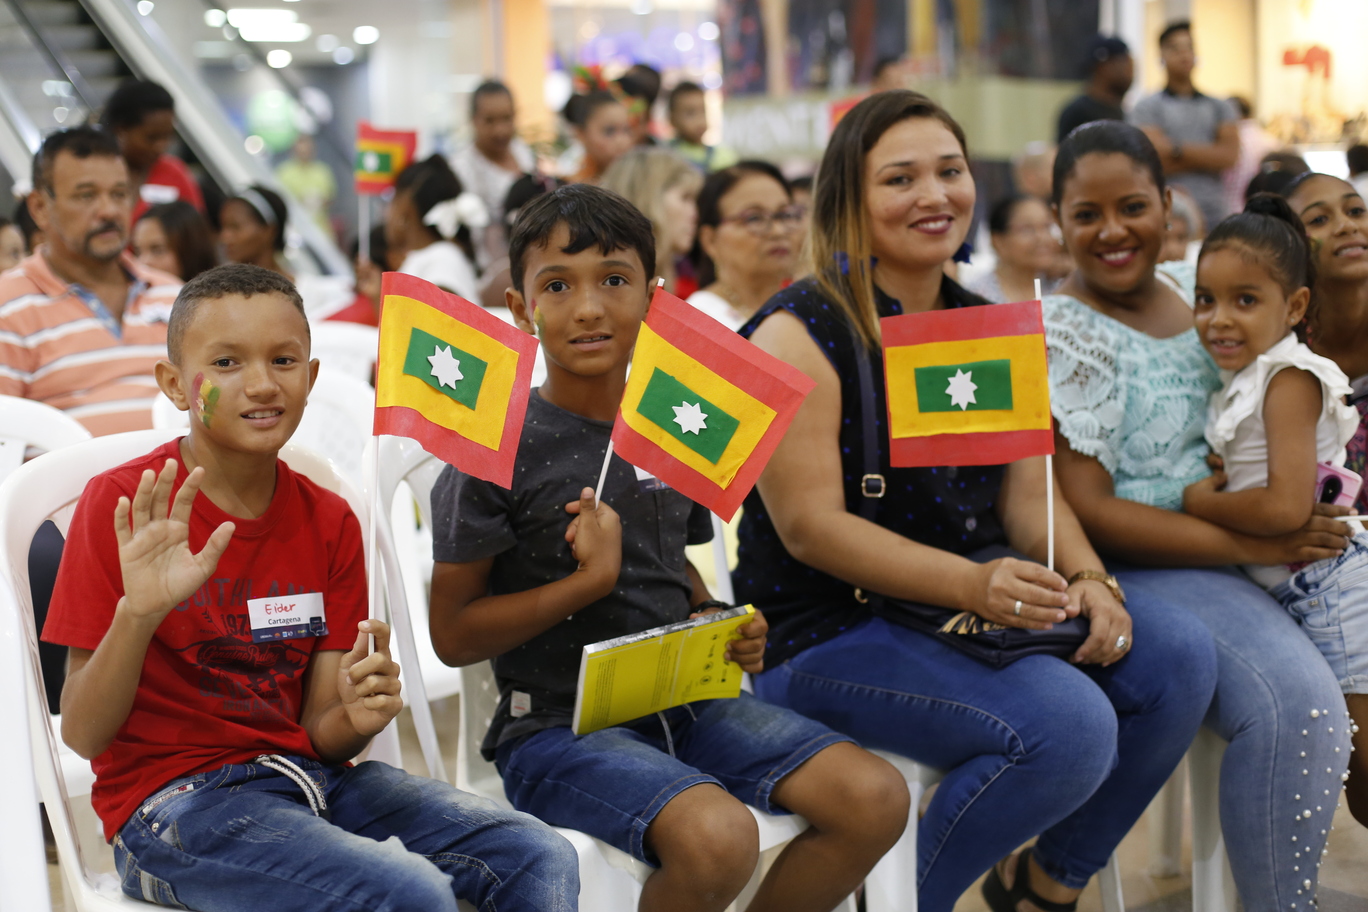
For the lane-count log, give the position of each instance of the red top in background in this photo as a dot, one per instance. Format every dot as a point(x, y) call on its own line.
point(167, 181)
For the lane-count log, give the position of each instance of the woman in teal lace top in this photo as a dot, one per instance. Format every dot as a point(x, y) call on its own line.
point(1129, 386)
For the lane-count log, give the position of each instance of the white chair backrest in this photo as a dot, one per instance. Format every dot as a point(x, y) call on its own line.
point(347, 348)
point(25, 423)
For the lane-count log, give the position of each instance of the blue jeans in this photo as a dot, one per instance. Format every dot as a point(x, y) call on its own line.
point(1276, 702)
point(1329, 599)
point(243, 837)
point(1072, 753)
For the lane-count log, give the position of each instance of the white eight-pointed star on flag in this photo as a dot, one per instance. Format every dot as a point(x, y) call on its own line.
point(445, 366)
point(961, 389)
point(690, 418)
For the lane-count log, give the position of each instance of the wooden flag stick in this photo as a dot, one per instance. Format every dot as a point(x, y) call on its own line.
point(1049, 487)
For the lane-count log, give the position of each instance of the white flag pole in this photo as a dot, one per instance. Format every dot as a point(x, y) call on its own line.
point(363, 227)
point(1049, 488)
point(603, 473)
point(374, 579)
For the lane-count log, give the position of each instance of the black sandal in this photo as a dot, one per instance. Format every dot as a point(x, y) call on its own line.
point(1001, 899)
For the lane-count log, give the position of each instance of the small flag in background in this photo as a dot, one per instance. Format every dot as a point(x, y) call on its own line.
point(452, 376)
point(380, 156)
point(967, 386)
point(704, 408)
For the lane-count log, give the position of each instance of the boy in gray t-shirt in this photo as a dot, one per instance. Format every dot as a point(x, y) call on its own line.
point(526, 577)
point(1197, 136)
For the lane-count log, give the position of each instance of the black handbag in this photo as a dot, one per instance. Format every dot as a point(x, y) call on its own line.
point(990, 643)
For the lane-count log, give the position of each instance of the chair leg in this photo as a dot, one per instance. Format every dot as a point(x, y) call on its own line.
point(1213, 886)
point(1166, 826)
point(1109, 882)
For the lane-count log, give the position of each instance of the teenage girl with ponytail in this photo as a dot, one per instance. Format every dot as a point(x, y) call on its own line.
point(1280, 415)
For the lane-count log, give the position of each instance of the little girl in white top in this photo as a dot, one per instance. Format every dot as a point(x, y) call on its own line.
point(1280, 413)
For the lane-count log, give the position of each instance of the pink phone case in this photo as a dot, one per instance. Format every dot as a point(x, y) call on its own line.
point(1336, 485)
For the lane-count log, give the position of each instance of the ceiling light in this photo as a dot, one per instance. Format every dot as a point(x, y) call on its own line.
point(253, 144)
point(145, 7)
point(684, 42)
point(326, 44)
point(365, 34)
point(708, 31)
point(243, 17)
point(215, 18)
point(279, 58)
point(283, 33)
point(343, 55)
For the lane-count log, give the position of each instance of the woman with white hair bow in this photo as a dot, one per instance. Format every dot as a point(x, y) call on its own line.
point(431, 219)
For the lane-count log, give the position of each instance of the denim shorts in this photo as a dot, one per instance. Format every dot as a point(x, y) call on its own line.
point(611, 783)
point(1329, 599)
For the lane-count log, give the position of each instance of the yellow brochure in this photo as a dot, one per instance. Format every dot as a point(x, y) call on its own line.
point(633, 676)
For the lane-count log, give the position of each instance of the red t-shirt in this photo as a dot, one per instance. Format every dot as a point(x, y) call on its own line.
point(208, 695)
point(167, 181)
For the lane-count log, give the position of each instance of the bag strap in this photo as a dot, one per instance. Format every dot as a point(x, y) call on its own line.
point(873, 485)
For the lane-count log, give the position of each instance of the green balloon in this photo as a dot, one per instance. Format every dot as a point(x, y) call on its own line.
point(271, 115)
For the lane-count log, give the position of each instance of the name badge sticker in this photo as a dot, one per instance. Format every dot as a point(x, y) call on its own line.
point(286, 617)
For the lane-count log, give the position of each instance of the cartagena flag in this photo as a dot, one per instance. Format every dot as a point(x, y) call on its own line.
point(967, 386)
point(380, 156)
point(452, 376)
point(704, 408)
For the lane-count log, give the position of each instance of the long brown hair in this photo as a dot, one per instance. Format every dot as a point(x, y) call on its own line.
point(839, 244)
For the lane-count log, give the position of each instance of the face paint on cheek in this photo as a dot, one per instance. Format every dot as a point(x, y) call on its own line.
point(204, 396)
point(538, 318)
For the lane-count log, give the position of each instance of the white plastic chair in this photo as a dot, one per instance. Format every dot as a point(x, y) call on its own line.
point(336, 424)
point(1213, 884)
point(347, 348)
point(25, 423)
point(47, 488)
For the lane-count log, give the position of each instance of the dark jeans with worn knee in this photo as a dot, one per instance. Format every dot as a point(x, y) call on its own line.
point(1071, 753)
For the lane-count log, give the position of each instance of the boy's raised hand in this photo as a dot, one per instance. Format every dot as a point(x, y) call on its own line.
point(368, 682)
point(159, 569)
point(595, 537)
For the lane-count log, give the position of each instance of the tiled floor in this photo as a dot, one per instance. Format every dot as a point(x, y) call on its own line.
point(1344, 878)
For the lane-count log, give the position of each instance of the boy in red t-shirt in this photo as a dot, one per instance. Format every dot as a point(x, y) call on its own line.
point(220, 674)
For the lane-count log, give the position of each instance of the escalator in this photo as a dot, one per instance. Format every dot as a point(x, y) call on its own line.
point(60, 60)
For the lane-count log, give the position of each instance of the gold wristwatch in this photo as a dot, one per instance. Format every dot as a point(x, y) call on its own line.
point(1105, 579)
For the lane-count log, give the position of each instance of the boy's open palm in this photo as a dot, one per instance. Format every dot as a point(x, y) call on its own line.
point(368, 682)
point(159, 569)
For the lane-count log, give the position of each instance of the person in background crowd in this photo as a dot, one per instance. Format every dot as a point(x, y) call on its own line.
point(309, 181)
point(23, 220)
point(92, 322)
point(1255, 143)
point(1031, 170)
point(599, 121)
point(142, 116)
point(254, 223)
point(489, 165)
point(640, 87)
point(12, 246)
point(174, 238)
point(431, 219)
point(889, 73)
point(1071, 749)
point(802, 198)
point(664, 187)
point(1197, 136)
point(1356, 157)
point(1276, 173)
point(1109, 70)
point(1023, 233)
point(749, 235)
point(1184, 226)
point(689, 118)
point(1129, 387)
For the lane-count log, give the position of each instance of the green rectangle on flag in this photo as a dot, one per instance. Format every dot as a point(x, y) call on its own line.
point(978, 386)
point(445, 368)
point(370, 161)
point(687, 417)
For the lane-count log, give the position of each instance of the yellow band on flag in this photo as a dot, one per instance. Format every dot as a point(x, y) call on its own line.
point(483, 424)
point(753, 416)
point(1030, 399)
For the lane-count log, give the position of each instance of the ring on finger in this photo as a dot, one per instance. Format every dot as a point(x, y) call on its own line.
point(1122, 643)
point(1016, 609)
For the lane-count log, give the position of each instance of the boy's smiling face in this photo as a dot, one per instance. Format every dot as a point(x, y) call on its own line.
point(585, 307)
point(244, 372)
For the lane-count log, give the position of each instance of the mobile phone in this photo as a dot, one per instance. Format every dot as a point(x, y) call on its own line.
point(1335, 485)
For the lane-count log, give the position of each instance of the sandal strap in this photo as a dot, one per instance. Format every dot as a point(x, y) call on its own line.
point(1021, 888)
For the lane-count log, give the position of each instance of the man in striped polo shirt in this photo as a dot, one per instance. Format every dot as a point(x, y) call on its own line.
point(81, 322)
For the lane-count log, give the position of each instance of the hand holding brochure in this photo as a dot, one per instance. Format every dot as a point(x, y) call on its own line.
point(633, 676)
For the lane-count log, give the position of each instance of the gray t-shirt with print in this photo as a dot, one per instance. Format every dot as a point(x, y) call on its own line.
point(1190, 120)
point(523, 529)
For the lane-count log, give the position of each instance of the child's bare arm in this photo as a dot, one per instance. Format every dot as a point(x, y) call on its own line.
point(349, 697)
point(1292, 406)
point(159, 572)
point(470, 626)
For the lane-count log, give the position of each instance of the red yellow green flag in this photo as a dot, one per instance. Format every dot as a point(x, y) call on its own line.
point(452, 376)
point(380, 156)
point(704, 408)
point(967, 386)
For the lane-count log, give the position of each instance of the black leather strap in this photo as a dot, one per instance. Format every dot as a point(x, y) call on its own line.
point(869, 502)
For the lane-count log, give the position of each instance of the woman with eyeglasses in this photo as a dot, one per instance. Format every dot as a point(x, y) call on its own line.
point(1026, 242)
point(749, 233)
